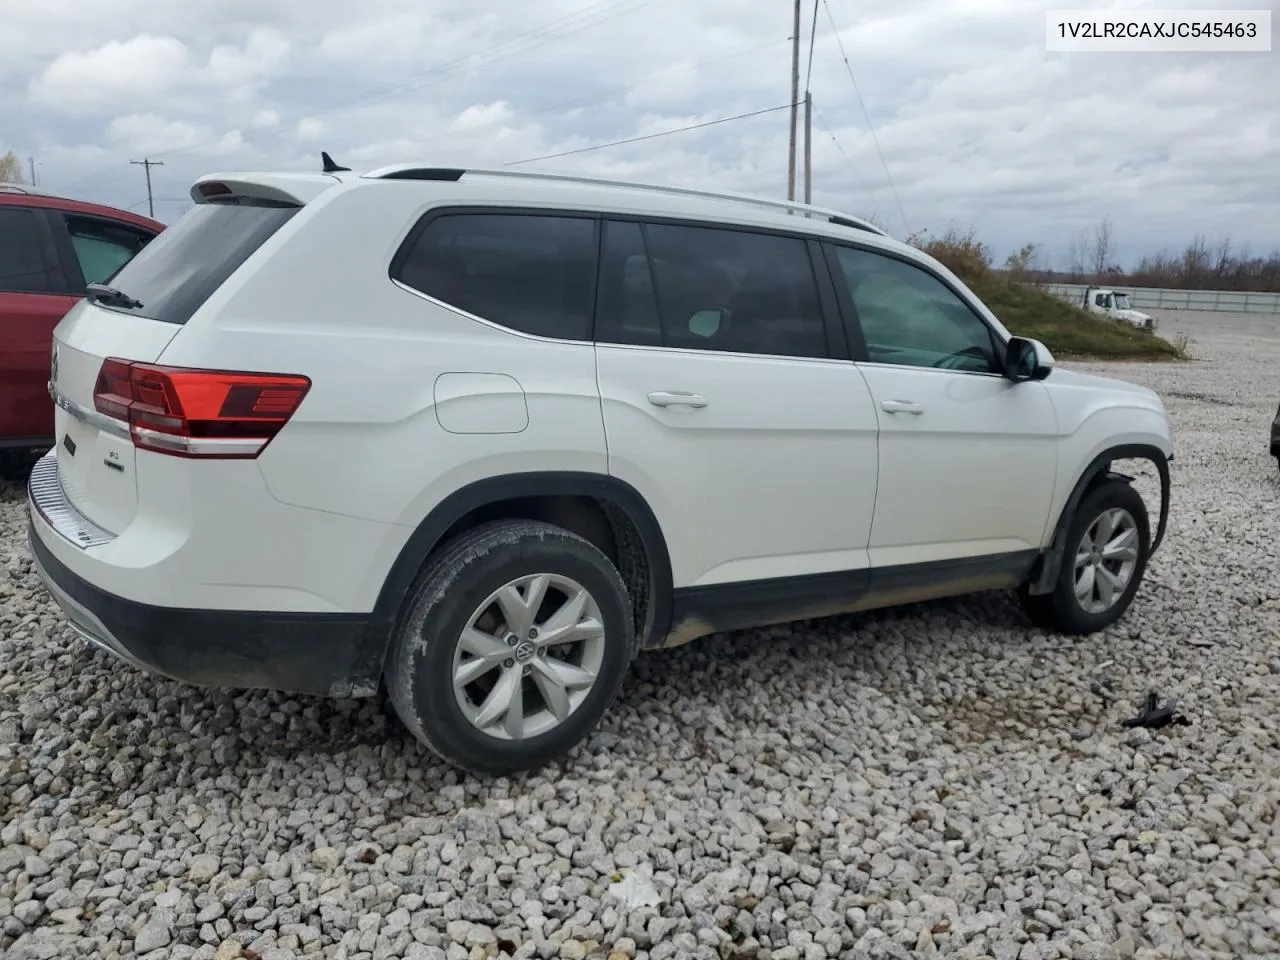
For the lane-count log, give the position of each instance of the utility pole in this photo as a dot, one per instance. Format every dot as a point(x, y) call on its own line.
point(31, 161)
point(147, 163)
point(808, 147)
point(795, 97)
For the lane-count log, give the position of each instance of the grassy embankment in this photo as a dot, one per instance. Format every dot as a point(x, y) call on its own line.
point(1068, 331)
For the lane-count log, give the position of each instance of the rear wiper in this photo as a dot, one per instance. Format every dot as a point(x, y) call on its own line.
point(111, 297)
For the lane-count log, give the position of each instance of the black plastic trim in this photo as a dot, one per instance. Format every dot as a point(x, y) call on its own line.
point(429, 536)
point(828, 305)
point(1014, 565)
point(308, 653)
point(446, 174)
point(26, 443)
point(848, 317)
point(698, 611)
point(845, 222)
point(717, 608)
point(1051, 564)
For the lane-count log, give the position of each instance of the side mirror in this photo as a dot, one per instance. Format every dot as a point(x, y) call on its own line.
point(1027, 359)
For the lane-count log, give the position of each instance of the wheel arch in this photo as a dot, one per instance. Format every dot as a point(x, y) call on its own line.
point(616, 499)
point(1099, 470)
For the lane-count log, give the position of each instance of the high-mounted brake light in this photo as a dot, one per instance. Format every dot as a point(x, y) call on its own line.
point(197, 413)
point(213, 189)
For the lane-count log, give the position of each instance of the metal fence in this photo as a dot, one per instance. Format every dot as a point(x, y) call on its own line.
point(1158, 298)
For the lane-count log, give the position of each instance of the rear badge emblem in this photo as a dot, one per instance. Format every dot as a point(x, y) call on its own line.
point(53, 367)
point(69, 444)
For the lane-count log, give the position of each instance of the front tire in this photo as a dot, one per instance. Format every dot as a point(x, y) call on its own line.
point(1108, 543)
point(514, 642)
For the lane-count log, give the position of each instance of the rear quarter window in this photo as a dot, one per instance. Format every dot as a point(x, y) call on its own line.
point(180, 269)
point(533, 273)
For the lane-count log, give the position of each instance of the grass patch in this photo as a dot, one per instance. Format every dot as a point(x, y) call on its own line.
point(1067, 330)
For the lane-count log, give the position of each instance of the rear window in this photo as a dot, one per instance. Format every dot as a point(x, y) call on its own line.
point(181, 268)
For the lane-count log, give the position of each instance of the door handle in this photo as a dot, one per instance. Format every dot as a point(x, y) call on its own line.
point(901, 406)
point(676, 398)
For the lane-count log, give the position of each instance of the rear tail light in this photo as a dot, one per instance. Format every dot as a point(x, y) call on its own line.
point(197, 413)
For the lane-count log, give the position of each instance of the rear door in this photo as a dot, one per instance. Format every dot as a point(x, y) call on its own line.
point(34, 295)
point(171, 277)
point(730, 404)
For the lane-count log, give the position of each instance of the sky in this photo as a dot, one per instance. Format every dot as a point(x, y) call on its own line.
point(949, 114)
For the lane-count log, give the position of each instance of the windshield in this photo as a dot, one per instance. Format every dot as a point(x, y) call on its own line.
point(181, 268)
point(1122, 301)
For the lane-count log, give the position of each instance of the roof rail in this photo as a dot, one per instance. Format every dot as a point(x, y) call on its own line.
point(411, 172)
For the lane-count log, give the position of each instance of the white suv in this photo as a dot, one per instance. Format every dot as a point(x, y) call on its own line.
point(486, 434)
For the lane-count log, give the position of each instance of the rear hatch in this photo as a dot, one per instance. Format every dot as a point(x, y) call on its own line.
point(140, 309)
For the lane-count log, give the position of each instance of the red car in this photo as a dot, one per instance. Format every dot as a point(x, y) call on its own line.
point(51, 248)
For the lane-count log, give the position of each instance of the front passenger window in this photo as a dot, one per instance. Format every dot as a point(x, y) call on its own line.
point(912, 318)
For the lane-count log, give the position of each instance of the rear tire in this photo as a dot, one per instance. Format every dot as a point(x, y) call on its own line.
point(1108, 543)
point(480, 696)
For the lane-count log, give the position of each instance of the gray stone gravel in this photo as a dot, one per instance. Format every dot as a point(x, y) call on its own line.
point(942, 781)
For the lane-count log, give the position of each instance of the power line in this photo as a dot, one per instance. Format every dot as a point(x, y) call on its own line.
point(652, 136)
point(847, 159)
point(870, 126)
point(465, 64)
point(578, 101)
point(604, 9)
point(611, 92)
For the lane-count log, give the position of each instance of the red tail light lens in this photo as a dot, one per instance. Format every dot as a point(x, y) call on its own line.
point(198, 413)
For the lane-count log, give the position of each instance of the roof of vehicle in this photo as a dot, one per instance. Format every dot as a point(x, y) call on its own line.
point(27, 195)
point(460, 187)
point(484, 185)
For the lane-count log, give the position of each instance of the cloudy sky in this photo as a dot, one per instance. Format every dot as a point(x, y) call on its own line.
point(974, 123)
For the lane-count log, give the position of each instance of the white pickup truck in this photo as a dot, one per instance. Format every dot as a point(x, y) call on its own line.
point(1115, 305)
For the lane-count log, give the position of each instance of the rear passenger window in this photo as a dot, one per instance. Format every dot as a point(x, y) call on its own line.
point(712, 289)
point(26, 264)
point(532, 273)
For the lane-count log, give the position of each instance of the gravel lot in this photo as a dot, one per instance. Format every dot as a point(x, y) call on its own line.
point(940, 781)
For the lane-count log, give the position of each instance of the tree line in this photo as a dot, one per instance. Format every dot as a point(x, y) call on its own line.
point(1203, 264)
point(11, 168)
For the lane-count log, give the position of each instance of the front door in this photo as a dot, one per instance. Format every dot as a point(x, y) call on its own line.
point(968, 458)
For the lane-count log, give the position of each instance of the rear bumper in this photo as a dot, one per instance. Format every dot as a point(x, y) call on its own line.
point(310, 653)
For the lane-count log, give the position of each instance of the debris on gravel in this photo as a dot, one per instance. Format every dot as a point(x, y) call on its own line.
point(938, 781)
